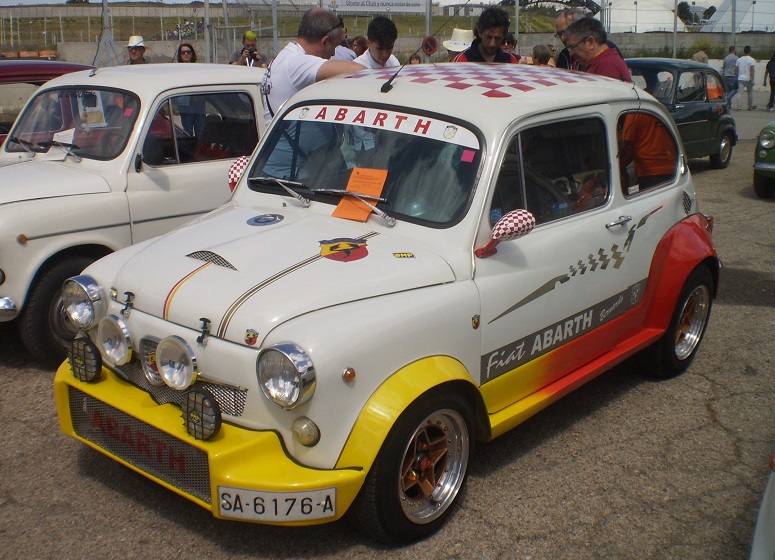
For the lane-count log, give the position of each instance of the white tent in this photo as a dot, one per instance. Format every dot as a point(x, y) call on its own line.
point(750, 15)
point(631, 16)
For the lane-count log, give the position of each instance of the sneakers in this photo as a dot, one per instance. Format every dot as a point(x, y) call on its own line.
point(769, 109)
point(752, 108)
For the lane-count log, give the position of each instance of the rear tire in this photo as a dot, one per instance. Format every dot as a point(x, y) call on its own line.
point(672, 354)
point(721, 159)
point(764, 187)
point(417, 480)
point(41, 326)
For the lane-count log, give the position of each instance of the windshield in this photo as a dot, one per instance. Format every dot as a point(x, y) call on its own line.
point(92, 123)
point(419, 168)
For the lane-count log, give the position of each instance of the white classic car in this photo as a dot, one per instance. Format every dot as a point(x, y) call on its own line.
point(411, 264)
point(98, 160)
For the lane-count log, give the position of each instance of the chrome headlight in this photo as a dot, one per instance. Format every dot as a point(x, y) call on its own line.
point(83, 301)
point(767, 139)
point(114, 340)
point(286, 375)
point(176, 363)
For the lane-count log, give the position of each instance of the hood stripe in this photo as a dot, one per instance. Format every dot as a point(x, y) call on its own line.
point(177, 286)
point(234, 307)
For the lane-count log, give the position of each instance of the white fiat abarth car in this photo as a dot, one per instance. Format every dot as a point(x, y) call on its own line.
point(410, 265)
point(100, 159)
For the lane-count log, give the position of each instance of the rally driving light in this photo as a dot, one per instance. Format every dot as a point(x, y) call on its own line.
point(114, 340)
point(767, 139)
point(83, 301)
point(286, 375)
point(176, 363)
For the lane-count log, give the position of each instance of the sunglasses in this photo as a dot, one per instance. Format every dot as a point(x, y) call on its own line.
point(577, 43)
point(185, 52)
point(337, 26)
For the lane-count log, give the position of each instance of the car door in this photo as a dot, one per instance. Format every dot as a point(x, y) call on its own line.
point(585, 263)
point(692, 113)
point(181, 169)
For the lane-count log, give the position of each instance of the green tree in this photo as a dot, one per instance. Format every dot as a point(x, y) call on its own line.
point(684, 12)
point(707, 14)
point(77, 2)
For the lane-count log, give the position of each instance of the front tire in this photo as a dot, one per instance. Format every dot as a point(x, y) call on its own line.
point(721, 159)
point(42, 328)
point(764, 187)
point(417, 480)
point(672, 354)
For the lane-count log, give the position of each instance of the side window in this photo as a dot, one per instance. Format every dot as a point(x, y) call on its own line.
point(554, 170)
point(715, 89)
point(192, 128)
point(691, 87)
point(648, 153)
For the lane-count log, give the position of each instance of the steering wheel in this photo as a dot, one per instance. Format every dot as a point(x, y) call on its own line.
point(591, 189)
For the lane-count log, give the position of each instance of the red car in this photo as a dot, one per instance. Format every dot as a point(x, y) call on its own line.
point(33, 72)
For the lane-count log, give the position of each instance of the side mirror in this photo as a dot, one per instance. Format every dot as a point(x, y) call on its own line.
point(515, 224)
point(236, 170)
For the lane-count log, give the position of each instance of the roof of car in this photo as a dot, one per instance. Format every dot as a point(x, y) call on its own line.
point(148, 79)
point(35, 71)
point(469, 90)
point(666, 62)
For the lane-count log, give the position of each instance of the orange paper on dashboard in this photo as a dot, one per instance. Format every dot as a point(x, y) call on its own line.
point(363, 181)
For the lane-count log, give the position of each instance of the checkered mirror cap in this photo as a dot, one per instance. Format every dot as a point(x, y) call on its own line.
point(516, 223)
point(236, 170)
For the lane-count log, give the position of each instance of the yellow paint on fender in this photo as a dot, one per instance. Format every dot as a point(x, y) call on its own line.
point(390, 400)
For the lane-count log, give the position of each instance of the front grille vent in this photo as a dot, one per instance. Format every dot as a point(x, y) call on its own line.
point(209, 256)
point(687, 203)
point(149, 449)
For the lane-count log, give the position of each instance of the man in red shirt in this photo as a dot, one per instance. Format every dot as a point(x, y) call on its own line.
point(586, 40)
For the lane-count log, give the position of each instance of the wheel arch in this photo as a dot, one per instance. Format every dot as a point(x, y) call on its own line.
point(685, 247)
point(92, 251)
point(394, 395)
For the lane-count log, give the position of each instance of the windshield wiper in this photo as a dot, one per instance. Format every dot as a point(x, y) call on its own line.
point(29, 147)
point(389, 220)
point(67, 147)
point(284, 183)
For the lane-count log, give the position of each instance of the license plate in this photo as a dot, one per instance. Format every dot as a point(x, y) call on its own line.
point(238, 503)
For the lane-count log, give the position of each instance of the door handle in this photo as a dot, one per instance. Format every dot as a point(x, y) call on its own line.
point(619, 222)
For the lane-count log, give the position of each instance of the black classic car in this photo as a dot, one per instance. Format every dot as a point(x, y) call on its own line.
point(694, 94)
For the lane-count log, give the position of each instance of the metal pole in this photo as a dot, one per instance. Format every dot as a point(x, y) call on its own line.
point(636, 16)
point(516, 25)
point(208, 33)
point(675, 27)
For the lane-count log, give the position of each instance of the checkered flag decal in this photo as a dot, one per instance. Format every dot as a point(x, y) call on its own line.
point(236, 170)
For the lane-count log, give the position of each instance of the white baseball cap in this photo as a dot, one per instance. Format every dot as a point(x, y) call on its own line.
point(135, 41)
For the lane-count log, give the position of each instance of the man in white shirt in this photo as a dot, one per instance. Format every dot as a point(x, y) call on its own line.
point(306, 60)
point(381, 34)
point(745, 70)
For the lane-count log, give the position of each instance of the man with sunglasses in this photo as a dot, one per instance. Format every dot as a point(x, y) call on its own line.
point(136, 48)
point(586, 41)
point(306, 60)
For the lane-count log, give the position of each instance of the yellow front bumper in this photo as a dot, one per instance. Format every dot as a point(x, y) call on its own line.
point(112, 414)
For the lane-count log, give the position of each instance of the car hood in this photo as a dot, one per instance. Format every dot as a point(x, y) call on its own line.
point(247, 272)
point(34, 179)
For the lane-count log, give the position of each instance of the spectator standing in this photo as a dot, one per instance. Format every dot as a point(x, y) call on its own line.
point(730, 74)
point(360, 44)
point(136, 47)
point(553, 55)
point(745, 69)
point(306, 60)
point(461, 40)
point(587, 41)
point(700, 56)
point(509, 44)
point(564, 19)
point(382, 34)
point(414, 59)
point(541, 55)
point(248, 55)
point(770, 75)
point(490, 31)
point(343, 50)
point(186, 53)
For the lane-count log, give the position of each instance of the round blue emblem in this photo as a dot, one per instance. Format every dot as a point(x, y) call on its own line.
point(265, 219)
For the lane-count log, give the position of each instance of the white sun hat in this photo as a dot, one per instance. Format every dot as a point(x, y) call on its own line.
point(461, 39)
point(135, 41)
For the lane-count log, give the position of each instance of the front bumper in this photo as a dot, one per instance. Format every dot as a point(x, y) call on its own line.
point(766, 169)
point(123, 422)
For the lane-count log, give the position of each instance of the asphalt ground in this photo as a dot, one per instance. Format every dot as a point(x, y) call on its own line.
point(623, 468)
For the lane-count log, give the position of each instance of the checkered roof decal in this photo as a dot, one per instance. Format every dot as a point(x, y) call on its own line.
point(489, 80)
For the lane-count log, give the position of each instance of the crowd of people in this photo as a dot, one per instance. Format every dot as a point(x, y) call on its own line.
point(322, 49)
